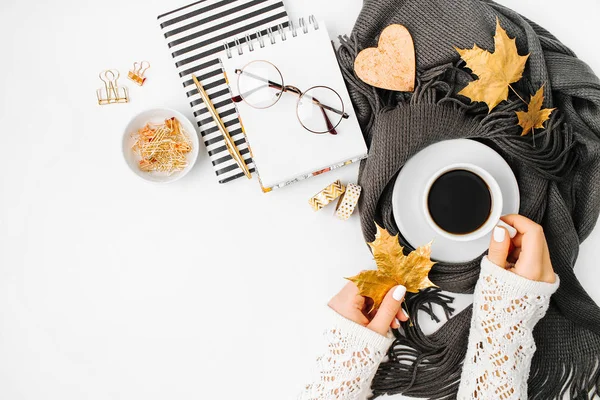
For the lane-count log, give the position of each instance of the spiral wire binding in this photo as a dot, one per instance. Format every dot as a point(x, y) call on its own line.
point(260, 38)
point(238, 46)
point(293, 29)
point(249, 42)
point(271, 35)
point(303, 25)
point(281, 32)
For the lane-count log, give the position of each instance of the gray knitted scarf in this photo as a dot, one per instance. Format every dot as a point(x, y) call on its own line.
point(558, 176)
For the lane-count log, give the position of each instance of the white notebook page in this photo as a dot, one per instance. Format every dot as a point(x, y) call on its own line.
point(283, 150)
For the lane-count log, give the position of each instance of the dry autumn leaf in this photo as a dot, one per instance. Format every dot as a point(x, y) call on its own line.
point(535, 116)
point(394, 268)
point(495, 71)
point(374, 285)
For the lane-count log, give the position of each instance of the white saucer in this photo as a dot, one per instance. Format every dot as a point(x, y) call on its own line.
point(409, 189)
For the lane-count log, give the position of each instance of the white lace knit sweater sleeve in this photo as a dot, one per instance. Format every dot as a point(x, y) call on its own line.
point(345, 369)
point(506, 308)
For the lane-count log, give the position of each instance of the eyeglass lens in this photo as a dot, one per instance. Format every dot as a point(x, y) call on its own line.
point(260, 84)
point(319, 109)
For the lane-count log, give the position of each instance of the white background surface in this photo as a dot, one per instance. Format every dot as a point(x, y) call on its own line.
point(113, 288)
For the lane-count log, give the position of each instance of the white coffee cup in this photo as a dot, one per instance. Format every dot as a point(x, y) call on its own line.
point(496, 200)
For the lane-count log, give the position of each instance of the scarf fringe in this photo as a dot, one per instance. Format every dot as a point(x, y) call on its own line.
point(575, 378)
point(361, 93)
point(419, 365)
point(548, 151)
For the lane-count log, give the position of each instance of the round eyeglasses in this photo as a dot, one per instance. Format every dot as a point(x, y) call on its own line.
point(319, 109)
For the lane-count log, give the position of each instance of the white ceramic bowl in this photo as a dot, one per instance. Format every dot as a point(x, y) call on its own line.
point(158, 116)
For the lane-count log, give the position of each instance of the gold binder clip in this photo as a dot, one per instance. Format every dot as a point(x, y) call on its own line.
point(137, 73)
point(111, 93)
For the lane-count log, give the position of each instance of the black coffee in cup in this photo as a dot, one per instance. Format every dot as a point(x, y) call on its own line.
point(459, 202)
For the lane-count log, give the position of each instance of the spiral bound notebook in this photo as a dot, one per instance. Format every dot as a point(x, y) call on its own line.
point(195, 35)
point(282, 149)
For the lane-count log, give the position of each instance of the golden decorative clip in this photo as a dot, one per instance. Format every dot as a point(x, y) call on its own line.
point(111, 93)
point(138, 71)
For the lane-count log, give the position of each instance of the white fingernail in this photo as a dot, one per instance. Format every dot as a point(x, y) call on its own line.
point(405, 313)
point(397, 321)
point(512, 232)
point(399, 293)
point(499, 234)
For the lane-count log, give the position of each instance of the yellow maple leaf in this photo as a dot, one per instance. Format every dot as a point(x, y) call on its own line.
point(495, 71)
point(394, 268)
point(374, 285)
point(535, 116)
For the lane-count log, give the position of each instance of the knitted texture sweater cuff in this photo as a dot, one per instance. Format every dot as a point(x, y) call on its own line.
point(516, 284)
point(506, 308)
point(346, 367)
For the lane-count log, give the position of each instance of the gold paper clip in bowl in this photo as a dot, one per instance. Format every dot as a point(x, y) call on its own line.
point(111, 93)
point(138, 71)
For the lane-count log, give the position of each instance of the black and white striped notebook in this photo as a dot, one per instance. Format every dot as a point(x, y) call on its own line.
point(196, 34)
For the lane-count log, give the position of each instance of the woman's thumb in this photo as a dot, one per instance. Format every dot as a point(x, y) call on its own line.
point(388, 310)
point(499, 246)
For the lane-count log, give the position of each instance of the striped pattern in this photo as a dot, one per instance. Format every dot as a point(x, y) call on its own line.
point(195, 35)
point(327, 195)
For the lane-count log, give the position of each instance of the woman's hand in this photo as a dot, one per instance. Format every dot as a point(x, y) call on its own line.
point(528, 250)
point(351, 305)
